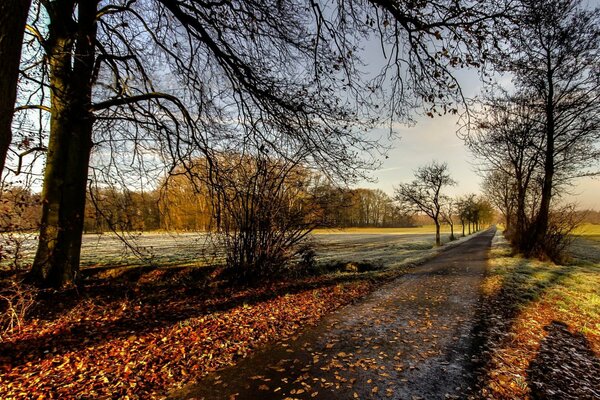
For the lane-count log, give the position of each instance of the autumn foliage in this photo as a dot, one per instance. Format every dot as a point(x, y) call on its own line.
point(138, 340)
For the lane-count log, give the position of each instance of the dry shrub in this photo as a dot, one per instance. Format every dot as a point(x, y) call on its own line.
point(264, 212)
point(15, 301)
point(558, 238)
point(19, 216)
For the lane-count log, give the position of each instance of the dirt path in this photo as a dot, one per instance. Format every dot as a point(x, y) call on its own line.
point(410, 339)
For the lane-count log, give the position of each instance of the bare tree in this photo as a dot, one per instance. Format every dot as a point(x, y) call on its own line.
point(13, 16)
point(448, 212)
point(507, 136)
point(499, 187)
point(130, 84)
point(553, 55)
point(424, 194)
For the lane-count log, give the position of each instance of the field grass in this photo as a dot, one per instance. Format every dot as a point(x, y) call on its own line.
point(528, 304)
point(162, 249)
point(588, 230)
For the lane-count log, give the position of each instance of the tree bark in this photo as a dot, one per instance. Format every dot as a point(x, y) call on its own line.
point(540, 227)
point(71, 58)
point(13, 17)
point(438, 242)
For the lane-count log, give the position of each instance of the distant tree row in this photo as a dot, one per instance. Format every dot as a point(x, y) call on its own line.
point(425, 194)
point(361, 208)
point(179, 206)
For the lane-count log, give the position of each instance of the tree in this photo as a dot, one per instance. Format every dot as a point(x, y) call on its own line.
point(553, 55)
point(474, 211)
point(507, 136)
point(465, 207)
point(424, 194)
point(499, 187)
point(448, 212)
point(13, 16)
point(133, 82)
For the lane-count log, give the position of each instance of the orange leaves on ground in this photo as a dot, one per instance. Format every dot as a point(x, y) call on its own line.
point(140, 347)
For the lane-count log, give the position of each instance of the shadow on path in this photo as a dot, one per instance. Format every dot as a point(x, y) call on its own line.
point(565, 367)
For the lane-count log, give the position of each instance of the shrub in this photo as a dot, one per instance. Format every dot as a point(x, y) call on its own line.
point(15, 301)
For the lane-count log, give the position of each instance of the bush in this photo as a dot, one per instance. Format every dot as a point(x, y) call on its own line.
point(554, 243)
point(15, 301)
point(264, 212)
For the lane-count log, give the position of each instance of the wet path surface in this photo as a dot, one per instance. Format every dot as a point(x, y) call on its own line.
point(410, 339)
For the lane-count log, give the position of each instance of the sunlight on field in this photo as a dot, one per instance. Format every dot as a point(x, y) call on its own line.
point(572, 289)
point(526, 299)
point(588, 230)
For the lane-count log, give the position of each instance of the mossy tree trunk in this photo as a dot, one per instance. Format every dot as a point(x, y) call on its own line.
point(13, 17)
point(71, 47)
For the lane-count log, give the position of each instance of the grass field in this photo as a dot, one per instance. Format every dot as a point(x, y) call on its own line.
point(588, 230)
point(543, 322)
point(163, 249)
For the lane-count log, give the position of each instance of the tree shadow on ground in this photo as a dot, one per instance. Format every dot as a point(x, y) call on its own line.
point(498, 312)
point(565, 367)
point(166, 299)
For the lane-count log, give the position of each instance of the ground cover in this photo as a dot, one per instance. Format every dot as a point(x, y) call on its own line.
point(540, 325)
point(135, 332)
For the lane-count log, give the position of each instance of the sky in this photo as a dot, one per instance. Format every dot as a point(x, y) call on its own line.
point(436, 139)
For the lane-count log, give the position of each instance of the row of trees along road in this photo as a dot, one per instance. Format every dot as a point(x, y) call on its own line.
point(425, 194)
point(536, 139)
point(124, 90)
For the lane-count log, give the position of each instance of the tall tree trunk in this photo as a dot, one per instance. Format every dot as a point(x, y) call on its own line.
point(540, 228)
point(438, 241)
point(71, 60)
point(13, 17)
point(520, 234)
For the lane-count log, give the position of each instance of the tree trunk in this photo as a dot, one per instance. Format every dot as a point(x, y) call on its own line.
point(452, 232)
point(13, 17)
point(438, 242)
point(540, 228)
point(520, 236)
point(65, 178)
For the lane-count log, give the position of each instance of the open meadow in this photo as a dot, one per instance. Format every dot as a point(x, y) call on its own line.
point(163, 249)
